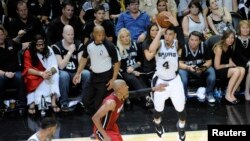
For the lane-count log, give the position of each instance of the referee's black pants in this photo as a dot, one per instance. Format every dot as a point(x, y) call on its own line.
point(97, 90)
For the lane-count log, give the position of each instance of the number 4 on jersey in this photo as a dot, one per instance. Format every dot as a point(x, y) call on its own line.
point(165, 65)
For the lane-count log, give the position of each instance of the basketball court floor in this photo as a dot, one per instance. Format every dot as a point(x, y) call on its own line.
point(135, 124)
point(191, 136)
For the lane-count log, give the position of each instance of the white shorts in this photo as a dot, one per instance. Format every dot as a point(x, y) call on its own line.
point(174, 90)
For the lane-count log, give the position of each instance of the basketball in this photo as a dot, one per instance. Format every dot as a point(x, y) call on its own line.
point(162, 19)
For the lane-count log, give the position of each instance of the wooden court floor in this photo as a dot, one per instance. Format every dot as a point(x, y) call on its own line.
point(170, 136)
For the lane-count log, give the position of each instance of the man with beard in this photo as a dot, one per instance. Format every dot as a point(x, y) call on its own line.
point(40, 75)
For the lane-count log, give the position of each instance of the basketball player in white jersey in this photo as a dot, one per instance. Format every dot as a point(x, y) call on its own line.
point(165, 53)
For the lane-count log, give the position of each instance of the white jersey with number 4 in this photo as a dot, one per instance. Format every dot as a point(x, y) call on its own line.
point(167, 61)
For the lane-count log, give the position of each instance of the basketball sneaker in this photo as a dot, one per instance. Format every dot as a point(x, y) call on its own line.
point(159, 129)
point(181, 132)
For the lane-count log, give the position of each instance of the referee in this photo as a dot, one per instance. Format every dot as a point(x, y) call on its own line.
point(104, 65)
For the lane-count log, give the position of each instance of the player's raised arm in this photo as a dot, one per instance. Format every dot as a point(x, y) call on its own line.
point(155, 44)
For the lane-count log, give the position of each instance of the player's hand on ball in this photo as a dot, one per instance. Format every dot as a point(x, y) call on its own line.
point(171, 19)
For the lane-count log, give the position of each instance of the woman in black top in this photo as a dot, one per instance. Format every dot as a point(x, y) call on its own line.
point(148, 66)
point(242, 52)
point(130, 60)
point(225, 67)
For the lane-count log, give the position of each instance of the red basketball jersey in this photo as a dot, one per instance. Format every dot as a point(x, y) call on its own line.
point(109, 120)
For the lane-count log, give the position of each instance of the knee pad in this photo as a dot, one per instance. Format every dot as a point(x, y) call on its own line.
point(157, 114)
point(182, 115)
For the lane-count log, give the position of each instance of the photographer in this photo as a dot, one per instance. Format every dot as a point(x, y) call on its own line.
point(196, 60)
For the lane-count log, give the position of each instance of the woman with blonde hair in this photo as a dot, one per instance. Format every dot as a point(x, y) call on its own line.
point(225, 67)
point(130, 60)
point(129, 53)
point(242, 52)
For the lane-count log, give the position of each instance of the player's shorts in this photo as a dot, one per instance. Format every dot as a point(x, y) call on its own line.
point(114, 134)
point(174, 91)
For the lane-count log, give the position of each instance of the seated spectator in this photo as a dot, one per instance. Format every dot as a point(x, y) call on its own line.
point(116, 7)
point(134, 20)
point(147, 5)
point(68, 54)
point(219, 19)
point(130, 60)
point(11, 8)
point(56, 8)
point(3, 16)
point(225, 67)
point(196, 61)
point(25, 26)
point(40, 9)
point(41, 75)
point(242, 52)
point(87, 12)
point(231, 5)
point(194, 21)
point(148, 66)
point(46, 131)
point(55, 27)
point(244, 6)
point(10, 71)
point(164, 5)
point(183, 8)
point(99, 20)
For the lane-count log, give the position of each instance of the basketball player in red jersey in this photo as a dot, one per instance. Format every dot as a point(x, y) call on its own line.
point(105, 118)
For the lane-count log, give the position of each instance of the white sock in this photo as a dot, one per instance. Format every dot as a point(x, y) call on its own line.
point(157, 121)
point(181, 125)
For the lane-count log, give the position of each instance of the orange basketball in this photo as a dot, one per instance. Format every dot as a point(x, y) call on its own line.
point(162, 19)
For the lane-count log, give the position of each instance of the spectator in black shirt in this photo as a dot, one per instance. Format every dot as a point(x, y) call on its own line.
point(131, 70)
point(40, 9)
point(87, 10)
point(11, 8)
point(241, 55)
point(56, 8)
point(4, 20)
point(25, 26)
point(196, 61)
point(116, 7)
point(148, 66)
point(68, 54)
point(10, 71)
point(55, 28)
point(99, 20)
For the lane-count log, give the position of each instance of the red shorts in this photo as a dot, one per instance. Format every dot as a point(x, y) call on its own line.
point(114, 135)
